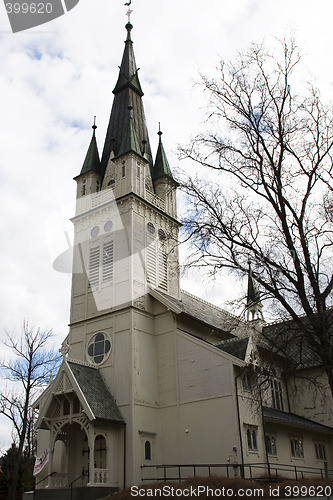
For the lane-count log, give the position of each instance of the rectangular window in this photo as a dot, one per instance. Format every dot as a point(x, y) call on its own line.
point(246, 382)
point(320, 451)
point(270, 444)
point(252, 442)
point(296, 447)
point(277, 397)
point(123, 170)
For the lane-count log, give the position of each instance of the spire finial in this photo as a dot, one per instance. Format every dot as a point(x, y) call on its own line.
point(94, 127)
point(128, 14)
point(159, 133)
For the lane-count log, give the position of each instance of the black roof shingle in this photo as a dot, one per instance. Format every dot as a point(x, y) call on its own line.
point(96, 393)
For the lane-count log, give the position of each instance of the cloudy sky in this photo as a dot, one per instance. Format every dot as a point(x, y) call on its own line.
point(54, 78)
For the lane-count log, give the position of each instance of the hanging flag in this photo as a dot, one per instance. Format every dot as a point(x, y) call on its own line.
point(41, 462)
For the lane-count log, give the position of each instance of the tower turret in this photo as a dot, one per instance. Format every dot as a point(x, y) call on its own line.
point(164, 183)
point(253, 303)
point(89, 179)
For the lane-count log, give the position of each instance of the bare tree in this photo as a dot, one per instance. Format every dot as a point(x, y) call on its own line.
point(270, 200)
point(29, 369)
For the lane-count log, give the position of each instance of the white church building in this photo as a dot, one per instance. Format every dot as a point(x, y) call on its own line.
point(155, 382)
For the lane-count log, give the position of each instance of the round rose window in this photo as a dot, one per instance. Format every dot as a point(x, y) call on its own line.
point(99, 348)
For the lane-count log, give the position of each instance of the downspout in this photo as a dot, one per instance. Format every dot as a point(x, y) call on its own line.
point(239, 425)
point(124, 455)
point(264, 431)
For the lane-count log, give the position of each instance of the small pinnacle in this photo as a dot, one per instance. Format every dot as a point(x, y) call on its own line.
point(94, 127)
point(159, 130)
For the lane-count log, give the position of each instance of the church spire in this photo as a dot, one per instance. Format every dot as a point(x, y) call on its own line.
point(253, 303)
point(92, 162)
point(127, 92)
point(130, 141)
point(161, 166)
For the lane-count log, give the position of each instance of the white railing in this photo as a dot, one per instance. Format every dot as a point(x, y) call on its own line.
point(89, 202)
point(101, 197)
point(100, 476)
point(155, 200)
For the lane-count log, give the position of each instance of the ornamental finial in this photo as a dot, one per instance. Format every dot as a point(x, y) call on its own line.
point(129, 12)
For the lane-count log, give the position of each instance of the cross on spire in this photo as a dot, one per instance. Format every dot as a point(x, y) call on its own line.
point(129, 11)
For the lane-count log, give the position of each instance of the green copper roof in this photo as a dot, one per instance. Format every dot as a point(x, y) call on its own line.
point(130, 140)
point(161, 167)
point(92, 162)
point(127, 92)
point(128, 74)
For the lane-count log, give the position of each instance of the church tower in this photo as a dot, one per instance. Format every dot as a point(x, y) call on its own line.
point(125, 222)
point(125, 246)
point(105, 395)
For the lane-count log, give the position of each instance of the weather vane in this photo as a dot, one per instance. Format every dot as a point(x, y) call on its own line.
point(129, 12)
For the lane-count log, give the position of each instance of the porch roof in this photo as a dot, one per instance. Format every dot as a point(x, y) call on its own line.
point(283, 417)
point(97, 395)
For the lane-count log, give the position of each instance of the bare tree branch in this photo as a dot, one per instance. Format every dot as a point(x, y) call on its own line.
point(276, 147)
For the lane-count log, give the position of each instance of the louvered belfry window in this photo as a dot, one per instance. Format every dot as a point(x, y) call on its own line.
point(151, 261)
point(157, 270)
point(94, 260)
point(101, 258)
point(107, 272)
point(162, 269)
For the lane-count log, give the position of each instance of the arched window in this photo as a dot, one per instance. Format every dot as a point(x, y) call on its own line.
point(100, 452)
point(147, 450)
